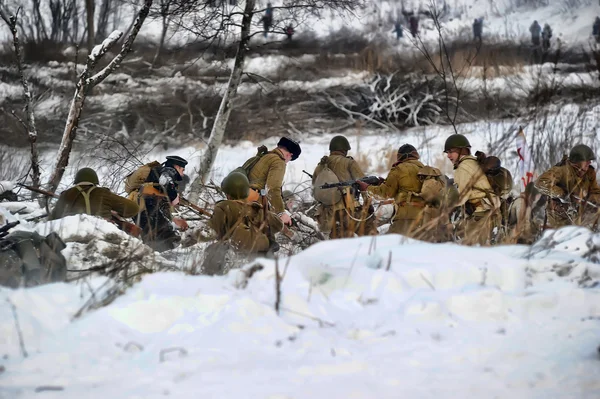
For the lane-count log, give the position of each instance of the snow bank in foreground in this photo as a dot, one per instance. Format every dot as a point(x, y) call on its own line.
point(361, 318)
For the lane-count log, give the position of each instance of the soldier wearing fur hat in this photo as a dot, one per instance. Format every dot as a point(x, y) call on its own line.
point(245, 225)
point(569, 185)
point(157, 195)
point(86, 197)
point(342, 215)
point(403, 185)
point(268, 173)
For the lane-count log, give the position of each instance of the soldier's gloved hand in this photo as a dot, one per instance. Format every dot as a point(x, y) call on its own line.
point(181, 223)
point(285, 218)
point(362, 186)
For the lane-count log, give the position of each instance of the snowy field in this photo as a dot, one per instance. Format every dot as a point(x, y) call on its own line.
point(358, 318)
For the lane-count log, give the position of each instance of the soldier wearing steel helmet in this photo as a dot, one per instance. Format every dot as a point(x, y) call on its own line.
point(479, 202)
point(404, 186)
point(571, 180)
point(87, 197)
point(347, 216)
point(243, 223)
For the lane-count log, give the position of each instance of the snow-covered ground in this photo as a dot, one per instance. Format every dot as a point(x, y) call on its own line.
point(361, 318)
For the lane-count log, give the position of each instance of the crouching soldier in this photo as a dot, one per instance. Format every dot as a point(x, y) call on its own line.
point(86, 197)
point(247, 226)
point(157, 196)
point(403, 185)
point(569, 185)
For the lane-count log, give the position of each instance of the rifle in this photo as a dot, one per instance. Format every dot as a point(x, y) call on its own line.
point(4, 229)
point(370, 180)
point(585, 202)
point(185, 202)
point(128, 227)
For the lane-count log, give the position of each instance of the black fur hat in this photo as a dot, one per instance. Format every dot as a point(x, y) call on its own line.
point(176, 160)
point(292, 146)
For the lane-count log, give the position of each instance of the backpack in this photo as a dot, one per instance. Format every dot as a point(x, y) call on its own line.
point(251, 162)
point(434, 183)
point(500, 178)
point(137, 178)
point(326, 196)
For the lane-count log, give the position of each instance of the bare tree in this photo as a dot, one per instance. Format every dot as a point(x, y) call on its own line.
point(11, 21)
point(89, 11)
point(165, 17)
point(88, 81)
point(213, 25)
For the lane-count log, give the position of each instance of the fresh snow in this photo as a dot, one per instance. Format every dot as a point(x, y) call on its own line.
point(362, 318)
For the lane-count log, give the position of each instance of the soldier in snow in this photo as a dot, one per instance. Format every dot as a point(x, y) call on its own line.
point(86, 197)
point(157, 195)
point(268, 172)
point(247, 226)
point(480, 205)
point(570, 184)
point(404, 185)
point(341, 215)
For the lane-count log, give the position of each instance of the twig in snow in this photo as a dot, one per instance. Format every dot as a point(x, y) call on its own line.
point(427, 281)
point(389, 263)
point(277, 286)
point(352, 265)
point(49, 388)
point(320, 321)
point(18, 326)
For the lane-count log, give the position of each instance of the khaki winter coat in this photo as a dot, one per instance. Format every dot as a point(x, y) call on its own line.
point(240, 222)
point(562, 181)
point(473, 185)
point(102, 203)
point(403, 185)
point(268, 173)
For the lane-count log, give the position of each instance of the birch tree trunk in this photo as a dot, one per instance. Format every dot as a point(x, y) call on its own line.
point(218, 130)
point(85, 83)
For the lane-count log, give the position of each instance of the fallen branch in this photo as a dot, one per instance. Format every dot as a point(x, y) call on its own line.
point(19, 332)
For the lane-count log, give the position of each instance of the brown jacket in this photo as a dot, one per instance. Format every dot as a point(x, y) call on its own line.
point(240, 223)
point(563, 181)
point(102, 203)
point(268, 173)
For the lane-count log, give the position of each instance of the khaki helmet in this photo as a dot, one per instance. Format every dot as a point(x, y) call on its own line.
point(456, 141)
point(236, 185)
point(581, 153)
point(86, 175)
point(428, 171)
point(287, 194)
point(339, 143)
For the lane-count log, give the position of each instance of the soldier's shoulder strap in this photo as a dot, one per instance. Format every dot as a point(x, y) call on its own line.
point(86, 197)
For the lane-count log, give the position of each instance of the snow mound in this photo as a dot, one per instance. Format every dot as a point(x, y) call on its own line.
point(364, 317)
